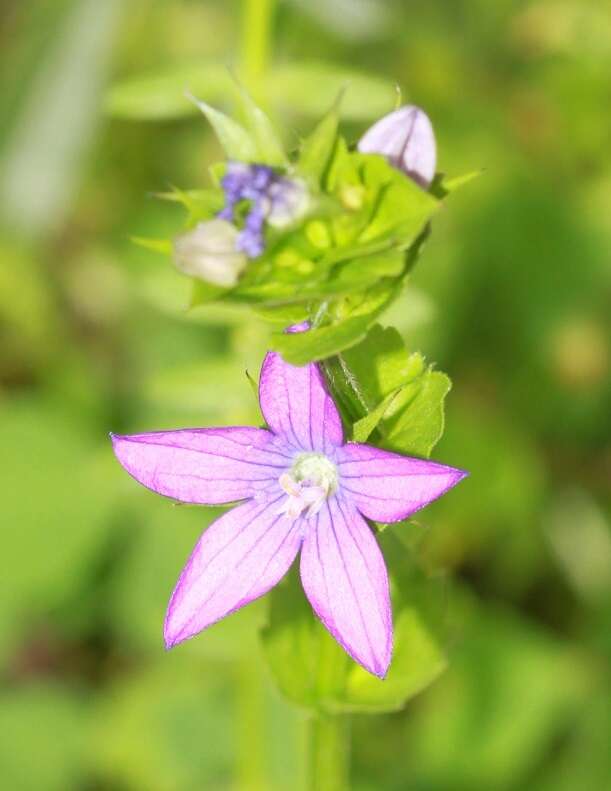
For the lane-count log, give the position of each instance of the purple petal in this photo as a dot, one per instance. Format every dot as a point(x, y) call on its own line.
point(207, 465)
point(344, 577)
point(406, 138)
point(388, 487)
point(296, 405)
point(240, 557)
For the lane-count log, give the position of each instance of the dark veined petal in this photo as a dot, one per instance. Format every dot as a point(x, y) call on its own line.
point(296, 405)
point(210, 466)
point(240, 557)
point(389, 487)
point(344, 576)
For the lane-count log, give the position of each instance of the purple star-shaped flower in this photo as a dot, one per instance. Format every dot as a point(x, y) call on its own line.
point(302, 488)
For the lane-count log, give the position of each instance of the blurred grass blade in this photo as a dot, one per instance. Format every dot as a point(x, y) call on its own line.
point(41, 159)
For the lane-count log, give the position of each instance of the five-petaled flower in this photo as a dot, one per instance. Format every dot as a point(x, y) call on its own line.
point(301, 488)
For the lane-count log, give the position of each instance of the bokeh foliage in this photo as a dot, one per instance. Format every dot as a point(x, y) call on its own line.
point(511, 298)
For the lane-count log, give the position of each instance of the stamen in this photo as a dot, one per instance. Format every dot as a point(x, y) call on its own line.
point(312, 479)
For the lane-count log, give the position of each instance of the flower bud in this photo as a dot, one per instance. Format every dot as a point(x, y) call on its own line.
point(289, 202)
point(209, 252)
point(406, 138)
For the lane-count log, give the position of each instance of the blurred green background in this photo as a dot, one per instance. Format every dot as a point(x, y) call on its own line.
point(512, 298)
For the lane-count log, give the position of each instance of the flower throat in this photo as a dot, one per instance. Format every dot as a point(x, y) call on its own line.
point(310, 481)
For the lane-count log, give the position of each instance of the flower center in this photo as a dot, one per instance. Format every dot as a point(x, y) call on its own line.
point(310, 481)
point(274, 199)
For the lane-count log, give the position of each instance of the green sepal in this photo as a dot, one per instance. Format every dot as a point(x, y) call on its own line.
point(268, 145)
point(201, 204)
point(442, 186)
point(235, 140)
point(316, 150)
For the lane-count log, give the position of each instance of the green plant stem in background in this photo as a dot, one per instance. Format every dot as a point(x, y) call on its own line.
point(251, 753)
point(329, 738)
point(257, 17)
point(329, 752)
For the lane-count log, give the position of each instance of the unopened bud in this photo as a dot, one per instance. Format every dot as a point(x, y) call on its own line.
point(209, 252)
point(289, 202)
point(406, 138)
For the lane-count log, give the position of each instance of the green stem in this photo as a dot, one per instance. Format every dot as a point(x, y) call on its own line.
point(251, 768)
point(257, 17)
point(329, 748)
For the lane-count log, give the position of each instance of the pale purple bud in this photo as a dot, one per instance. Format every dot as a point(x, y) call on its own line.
point(210, 252)
point(290, 201)
point(406, 138)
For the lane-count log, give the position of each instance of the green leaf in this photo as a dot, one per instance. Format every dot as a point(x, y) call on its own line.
point(284, 315)
point(402, 208)
point(312, 670)
point(235, 140)
point(363, 428)
point(308, 88)
point(269, 147)
point(381, 387)
point(356, 315)
point(358, 273)
point(417, 423)
point(160, 95)
point(316, 149)
point(381, 364)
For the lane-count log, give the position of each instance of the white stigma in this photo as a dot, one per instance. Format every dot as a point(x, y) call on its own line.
point(310, 481)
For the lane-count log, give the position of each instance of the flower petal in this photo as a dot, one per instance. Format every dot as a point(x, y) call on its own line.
point(344, 577)
point(208, 465)
point(388, 487)
point(240, 557)
point(406, 138)
point(296, 405)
